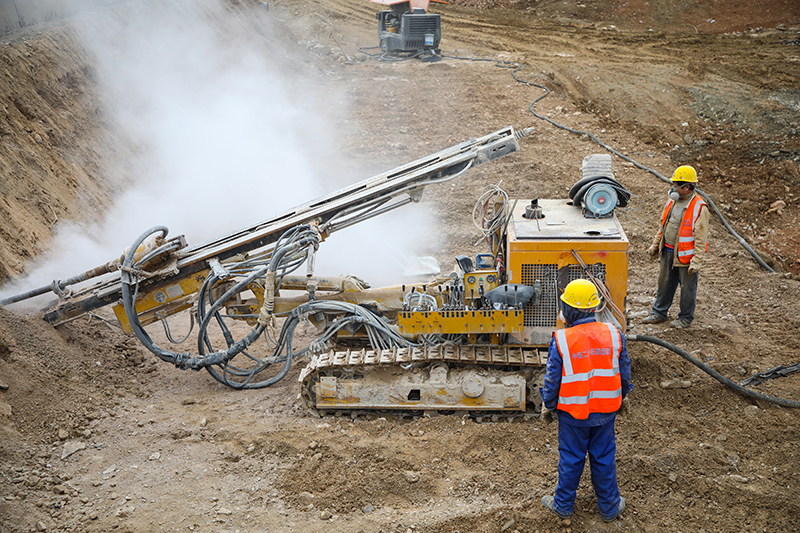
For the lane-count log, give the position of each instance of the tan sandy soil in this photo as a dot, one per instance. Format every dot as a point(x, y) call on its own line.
point(97, 435)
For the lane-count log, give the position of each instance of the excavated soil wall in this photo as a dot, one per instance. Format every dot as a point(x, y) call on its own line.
point(97, 435)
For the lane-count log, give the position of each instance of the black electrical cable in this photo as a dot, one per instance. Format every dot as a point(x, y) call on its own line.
point(363, 50)
point(382, 56)
point(660, 176)
point(518, 68)
point(713, 373)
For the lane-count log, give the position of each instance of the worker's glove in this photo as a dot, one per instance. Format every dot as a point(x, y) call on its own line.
point(693, 269)
point(625, 408)
point(653, 250)
point(547, 414)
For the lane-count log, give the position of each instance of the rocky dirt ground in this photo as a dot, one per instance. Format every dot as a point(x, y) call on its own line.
point(96, 435)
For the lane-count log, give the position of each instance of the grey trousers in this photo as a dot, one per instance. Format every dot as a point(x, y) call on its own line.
point(669, 277)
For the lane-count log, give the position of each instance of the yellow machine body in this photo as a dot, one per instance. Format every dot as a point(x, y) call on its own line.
point(548, 249)
point(546, 253)
point(163, 301)
point(477, 338)
point(455, 322)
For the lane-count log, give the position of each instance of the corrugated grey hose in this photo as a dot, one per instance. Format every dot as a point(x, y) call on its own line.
point(713, 373)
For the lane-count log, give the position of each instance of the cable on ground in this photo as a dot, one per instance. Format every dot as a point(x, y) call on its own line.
point(713, 373)
point(518, 68)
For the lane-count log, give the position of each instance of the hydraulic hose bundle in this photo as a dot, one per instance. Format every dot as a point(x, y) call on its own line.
point(130, 275)
point(293, 249)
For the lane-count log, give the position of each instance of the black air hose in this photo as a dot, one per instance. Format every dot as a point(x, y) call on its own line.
point(129, 284)
point(129, 280)
point(713, 373)
point(660, 176)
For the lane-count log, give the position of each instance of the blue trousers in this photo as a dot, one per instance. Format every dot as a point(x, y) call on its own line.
point(601, 444)
point(669, 277)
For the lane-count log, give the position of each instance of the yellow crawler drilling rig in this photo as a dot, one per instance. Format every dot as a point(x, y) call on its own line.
point(474, 341)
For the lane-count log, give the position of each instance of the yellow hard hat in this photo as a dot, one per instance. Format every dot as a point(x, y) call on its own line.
point(685, 173)
point(581, 294)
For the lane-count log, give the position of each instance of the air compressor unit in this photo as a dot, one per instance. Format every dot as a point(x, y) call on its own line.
point(407, 29)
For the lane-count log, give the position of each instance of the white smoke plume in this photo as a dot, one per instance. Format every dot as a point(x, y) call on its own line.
point(228, 137)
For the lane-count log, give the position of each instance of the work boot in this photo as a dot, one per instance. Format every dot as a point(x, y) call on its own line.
point(549, 502)
point(680, 323)
point(654, 319)
point(612, 517)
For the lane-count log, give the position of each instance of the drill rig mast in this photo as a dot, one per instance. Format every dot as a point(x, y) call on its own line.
point(473, 341)
point(159, 276)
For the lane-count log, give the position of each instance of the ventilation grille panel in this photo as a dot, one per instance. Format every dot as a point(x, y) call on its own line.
point(544, 313)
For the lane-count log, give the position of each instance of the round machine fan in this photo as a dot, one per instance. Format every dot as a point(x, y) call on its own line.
point(578, 190)
point(600, 199)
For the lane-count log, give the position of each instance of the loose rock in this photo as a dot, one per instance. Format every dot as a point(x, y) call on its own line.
point(72, 447)
point(411, 477)
point(676, 384)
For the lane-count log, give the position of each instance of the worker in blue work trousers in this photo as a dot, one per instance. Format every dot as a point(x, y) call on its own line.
point(587, 380)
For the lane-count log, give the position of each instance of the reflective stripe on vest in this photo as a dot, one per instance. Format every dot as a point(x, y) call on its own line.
point(685, 245)
point(590, 379)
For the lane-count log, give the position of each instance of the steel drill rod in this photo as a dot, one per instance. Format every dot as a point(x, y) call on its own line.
point(111, 266)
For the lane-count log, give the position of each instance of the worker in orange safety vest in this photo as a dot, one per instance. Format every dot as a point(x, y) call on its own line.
point(681, 243)
point(586, 383)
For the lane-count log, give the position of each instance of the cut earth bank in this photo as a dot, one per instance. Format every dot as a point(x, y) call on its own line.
point(98, 436)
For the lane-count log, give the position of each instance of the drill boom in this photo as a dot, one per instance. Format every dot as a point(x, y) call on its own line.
point(330, 213)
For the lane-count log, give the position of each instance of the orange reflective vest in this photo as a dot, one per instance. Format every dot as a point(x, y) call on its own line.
point(590, 379)
point(685, 247)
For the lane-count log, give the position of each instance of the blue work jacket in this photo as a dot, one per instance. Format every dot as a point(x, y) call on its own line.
point(552, 383)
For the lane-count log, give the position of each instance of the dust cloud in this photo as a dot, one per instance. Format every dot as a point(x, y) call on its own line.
point(226, 135)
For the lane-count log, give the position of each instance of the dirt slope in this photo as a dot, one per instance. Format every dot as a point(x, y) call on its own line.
point(53, 139)
point(96, 435)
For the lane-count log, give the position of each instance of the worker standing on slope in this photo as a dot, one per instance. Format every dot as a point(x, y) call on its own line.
point(681, 241)
point(586, 382)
